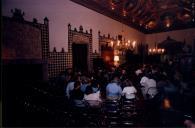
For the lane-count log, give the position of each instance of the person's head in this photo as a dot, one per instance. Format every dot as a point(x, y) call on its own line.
point(127, 83)
point(115, 77)
point(88, 90)
point(69, 70)
point(138, 72)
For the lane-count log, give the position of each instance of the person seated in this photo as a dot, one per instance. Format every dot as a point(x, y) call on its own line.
point(77, 95)
point(129, 90)
point(92, 98)
point(85, 81)
point(113, 89)
point(69, 87)
point(148, 87)
point(95, 86)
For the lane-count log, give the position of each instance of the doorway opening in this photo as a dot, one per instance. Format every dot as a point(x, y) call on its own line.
point(80, 57)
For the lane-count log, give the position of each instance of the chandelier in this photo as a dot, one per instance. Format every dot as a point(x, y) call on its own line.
point(156, 49)
point(122, 45)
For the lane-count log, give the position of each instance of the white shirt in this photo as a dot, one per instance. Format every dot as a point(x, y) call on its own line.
point(93, 99)
point(93, 96)
point(69, 88)
point(129, 92)
point(149, 86)
point(143, 81)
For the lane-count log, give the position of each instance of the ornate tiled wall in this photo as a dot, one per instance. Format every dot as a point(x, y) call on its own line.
point(56, 62)
point(79, 36)
point(31, 39)
point(20, 40)
point(25, 45)
point(38, 33)
point(59, 61)
point(44, 36)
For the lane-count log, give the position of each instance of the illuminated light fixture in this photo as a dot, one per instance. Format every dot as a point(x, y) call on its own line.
point(124, 13)
point(112, 8)
point(128, 43)
point(118, 43)
point(116, 58)
point(107, 58)
point(167, 19)
point(156, 50)
point(151, 24)
point(141, 22)
point(166, 103)
point(122, 45)
point(133, 44)
point(168, 25)
point(112, 43)
point(163, 50)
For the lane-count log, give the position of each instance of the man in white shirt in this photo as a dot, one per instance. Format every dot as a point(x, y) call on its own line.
point(69, 88)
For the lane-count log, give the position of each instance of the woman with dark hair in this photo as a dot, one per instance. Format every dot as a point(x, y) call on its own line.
point(129, 90)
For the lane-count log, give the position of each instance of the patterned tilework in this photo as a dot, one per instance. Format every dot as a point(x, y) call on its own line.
point(95, 55)
point(57, 63)
point(44, 37)
point(78, 36)
point(20, 40)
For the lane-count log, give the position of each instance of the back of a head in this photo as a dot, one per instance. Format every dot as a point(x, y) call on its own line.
point(95, 83)
point(115, 77)
point(88, 90)
point(127, 82)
